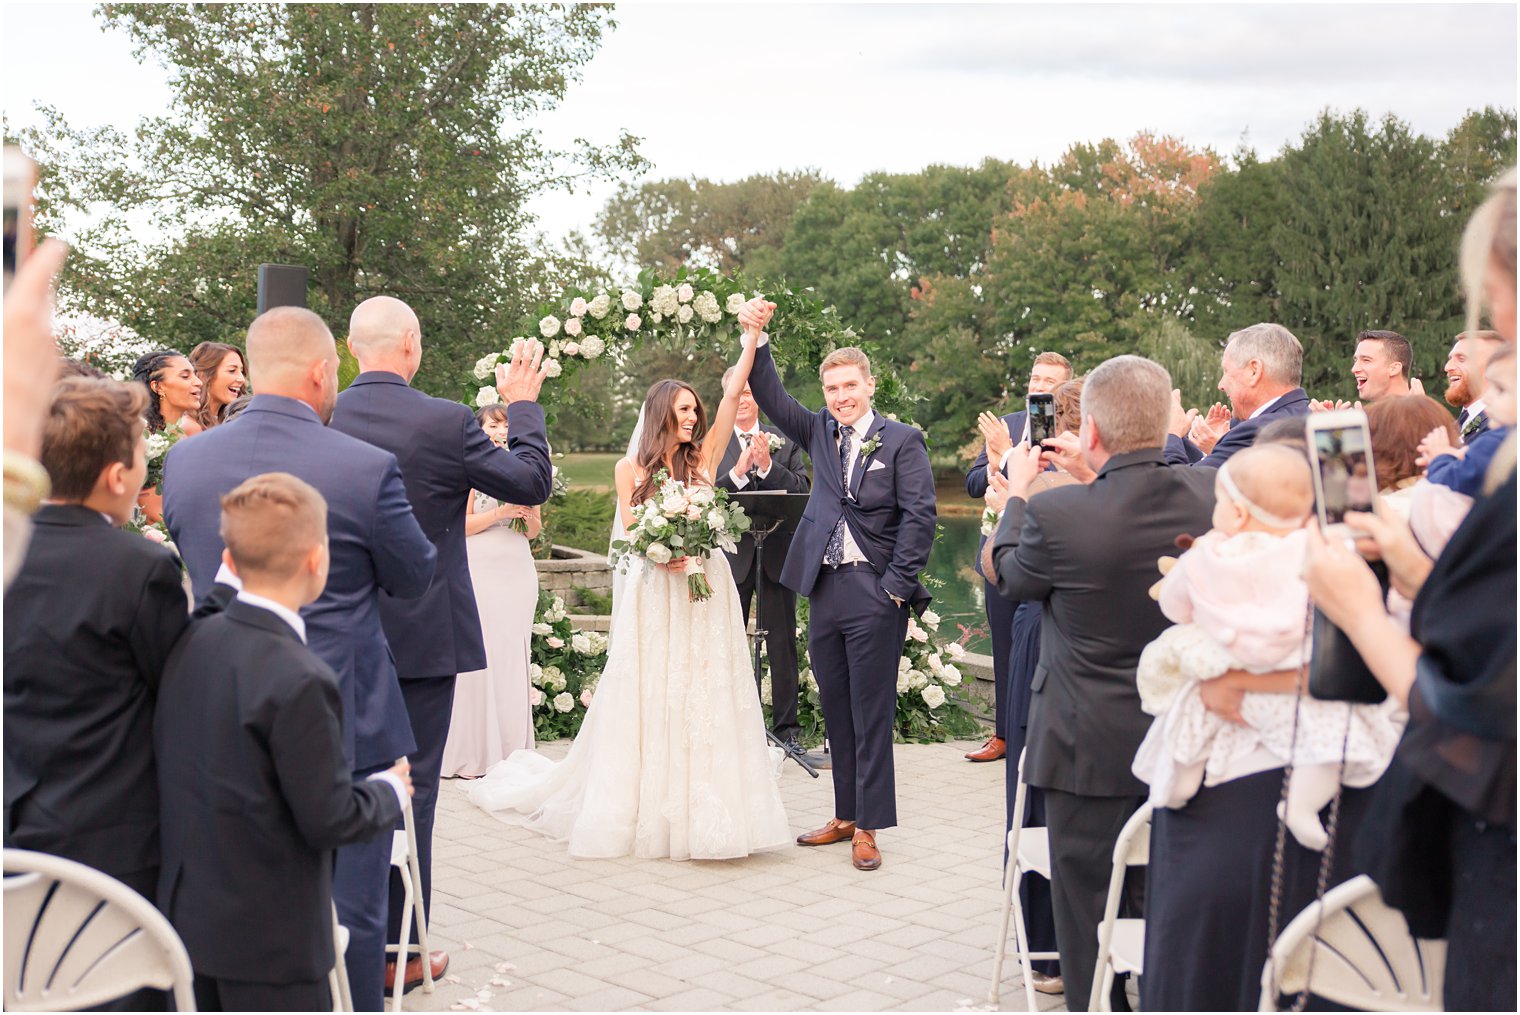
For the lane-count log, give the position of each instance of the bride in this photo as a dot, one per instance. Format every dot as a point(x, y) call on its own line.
point(671, 759)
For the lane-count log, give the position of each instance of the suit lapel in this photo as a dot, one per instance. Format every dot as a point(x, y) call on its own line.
point(861, 465)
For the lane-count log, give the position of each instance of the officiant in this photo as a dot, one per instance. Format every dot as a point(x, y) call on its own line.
point(758, 457)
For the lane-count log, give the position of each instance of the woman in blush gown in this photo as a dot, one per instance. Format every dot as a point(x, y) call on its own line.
point(492, 716)
point(671, 760)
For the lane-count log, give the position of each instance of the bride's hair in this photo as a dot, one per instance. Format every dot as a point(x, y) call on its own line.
point(660, 438)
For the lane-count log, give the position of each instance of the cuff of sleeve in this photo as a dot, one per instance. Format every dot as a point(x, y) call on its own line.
point(740, 482)
point(394, 782)
point(765, 472)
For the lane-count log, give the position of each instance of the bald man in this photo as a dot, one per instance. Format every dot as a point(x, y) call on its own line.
point(377, 548)
point(444, 454)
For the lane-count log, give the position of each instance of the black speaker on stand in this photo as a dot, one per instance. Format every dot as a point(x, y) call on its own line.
point(281, 285)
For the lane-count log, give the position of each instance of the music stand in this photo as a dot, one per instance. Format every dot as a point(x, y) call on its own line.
point(771, 511)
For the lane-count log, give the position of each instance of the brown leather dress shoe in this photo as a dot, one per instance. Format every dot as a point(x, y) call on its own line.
point(992, 750)
point(863, 852)
point(414, 977)
point(834, 831)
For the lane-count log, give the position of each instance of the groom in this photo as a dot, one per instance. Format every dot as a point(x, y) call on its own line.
point(856, 555)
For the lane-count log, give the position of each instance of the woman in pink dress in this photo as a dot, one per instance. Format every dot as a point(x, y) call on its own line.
point(492, 717)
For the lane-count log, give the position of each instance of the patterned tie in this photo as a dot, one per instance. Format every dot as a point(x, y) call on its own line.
point(1462, 420)
point(833, 554)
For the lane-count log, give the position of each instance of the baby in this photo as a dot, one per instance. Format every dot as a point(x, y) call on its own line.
point(1240, 603)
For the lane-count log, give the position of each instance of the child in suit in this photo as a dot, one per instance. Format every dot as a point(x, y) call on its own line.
point(255, 790)
point(89, 622)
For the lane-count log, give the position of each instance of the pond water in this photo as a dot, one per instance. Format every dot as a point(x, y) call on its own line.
point(959, 600)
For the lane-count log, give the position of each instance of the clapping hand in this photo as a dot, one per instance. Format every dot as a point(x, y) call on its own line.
point(1436, 444)
point(521, 381)
point(1207, 430)
point(996, 496)
point(760, 451)
point(995, 433)
point(1024, 464)
point(1182, 419)
point(746, 458)
point(1329, 405)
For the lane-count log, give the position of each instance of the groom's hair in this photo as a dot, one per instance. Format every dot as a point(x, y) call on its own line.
point(849, 356)
point(270, 523)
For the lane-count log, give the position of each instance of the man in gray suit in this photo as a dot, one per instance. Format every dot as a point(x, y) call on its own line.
point(1089, 552)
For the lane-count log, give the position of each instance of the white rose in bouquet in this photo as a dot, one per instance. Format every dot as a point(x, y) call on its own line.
point(484, 366)
point(735, 304)
point(951, 676)
point(542, 629)
point(592, 347)
point(549, 326)
point(486, 396)
point(707, 308)
point(930, 619)
point(632, 300)
point(552, 367)
point(573, 327)
point(702, 495)
point(956, 650)
point(685, 292)
point(564, 702)
point(571, 349)
point(598, 307)
point(685, 314)
point(535, 697)
point(632, 323)
point(716, 520)
point(580, 643)
point(933, 695)
point(578, 308)
point(693, 513)
point(554, 642)
point(674, 504)
point(659, 553)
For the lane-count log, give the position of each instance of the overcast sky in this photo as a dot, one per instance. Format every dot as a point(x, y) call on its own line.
point(727, 90)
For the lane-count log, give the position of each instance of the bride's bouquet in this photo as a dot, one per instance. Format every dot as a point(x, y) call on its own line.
point(682, 521)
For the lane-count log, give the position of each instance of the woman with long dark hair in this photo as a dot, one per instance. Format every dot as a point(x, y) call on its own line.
point(671, 760)
point(174, 390)
point(224, 377)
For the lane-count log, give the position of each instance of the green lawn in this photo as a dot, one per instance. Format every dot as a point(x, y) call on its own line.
point(588, 469)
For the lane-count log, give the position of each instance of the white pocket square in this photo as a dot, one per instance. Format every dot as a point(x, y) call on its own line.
point(876, 465)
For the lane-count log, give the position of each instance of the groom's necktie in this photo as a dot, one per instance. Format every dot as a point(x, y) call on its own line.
point(833, 554)
point(1461, 419)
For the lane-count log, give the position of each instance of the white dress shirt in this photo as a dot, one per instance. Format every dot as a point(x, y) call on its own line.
point(1266, 405)
point(852, 552)
point(280, 610)
point(741, 480)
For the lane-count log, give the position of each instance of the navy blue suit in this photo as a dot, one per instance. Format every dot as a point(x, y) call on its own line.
point(856, 631)
point(376, 544)
point(443, 454)
point(1242, 433)
point(999, 610)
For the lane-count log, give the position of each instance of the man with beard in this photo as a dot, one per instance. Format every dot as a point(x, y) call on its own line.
point(1464, 378)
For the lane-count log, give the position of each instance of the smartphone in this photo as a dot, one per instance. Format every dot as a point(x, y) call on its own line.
point(20, 181)
point(1042, 418)
point(1340, 447)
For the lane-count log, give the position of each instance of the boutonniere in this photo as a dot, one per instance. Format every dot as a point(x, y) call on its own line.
point(1472, 426)
point(774, 441)
point(870, 447)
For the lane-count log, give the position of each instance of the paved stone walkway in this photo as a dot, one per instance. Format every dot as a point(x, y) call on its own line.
point(530, 929)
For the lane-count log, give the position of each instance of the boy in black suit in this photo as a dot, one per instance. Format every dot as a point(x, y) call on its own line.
point(256, 793)
point(89, 622)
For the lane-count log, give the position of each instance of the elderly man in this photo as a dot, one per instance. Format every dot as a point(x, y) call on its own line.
point(376, 545)
point(1381, 364)
point(1050, 371)
point(444, 454)
point(1088, 553)
point(1261, 370)
point(1464, 378)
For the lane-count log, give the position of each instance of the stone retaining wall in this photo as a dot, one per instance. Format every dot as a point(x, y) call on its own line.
point(570, 570)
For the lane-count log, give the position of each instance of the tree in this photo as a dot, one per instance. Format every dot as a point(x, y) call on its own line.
point(375, 143)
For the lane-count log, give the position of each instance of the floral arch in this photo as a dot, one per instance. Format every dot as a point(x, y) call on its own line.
point(699, 307)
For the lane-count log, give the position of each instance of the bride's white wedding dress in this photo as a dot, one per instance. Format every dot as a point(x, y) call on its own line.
point(672, 759)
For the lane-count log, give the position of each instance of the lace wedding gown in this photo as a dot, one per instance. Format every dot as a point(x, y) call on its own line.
point(672, 759)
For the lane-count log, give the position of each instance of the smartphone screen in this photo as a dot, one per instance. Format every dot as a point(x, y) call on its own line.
point(1343, 456)
point(1042, 418)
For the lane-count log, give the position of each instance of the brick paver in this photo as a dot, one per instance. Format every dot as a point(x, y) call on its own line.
point(528, 928)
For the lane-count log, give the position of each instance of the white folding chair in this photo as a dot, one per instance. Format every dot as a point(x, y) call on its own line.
point(76, 938)
point(1028, 853)
point(1121, 943)
point(1353, 949)
point(337, 980)
point(404, 859)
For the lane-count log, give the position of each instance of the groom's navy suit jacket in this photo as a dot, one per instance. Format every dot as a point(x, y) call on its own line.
point(443, 454)
point(889, 506)
point(373, 537)
point(1241, 435)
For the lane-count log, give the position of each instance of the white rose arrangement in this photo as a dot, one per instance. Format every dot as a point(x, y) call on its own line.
point(486, 396)
point(599, 307)
point(573, 327)
point(578, 308)
point(632, 300)
point(549, 326)
point(673, 523)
